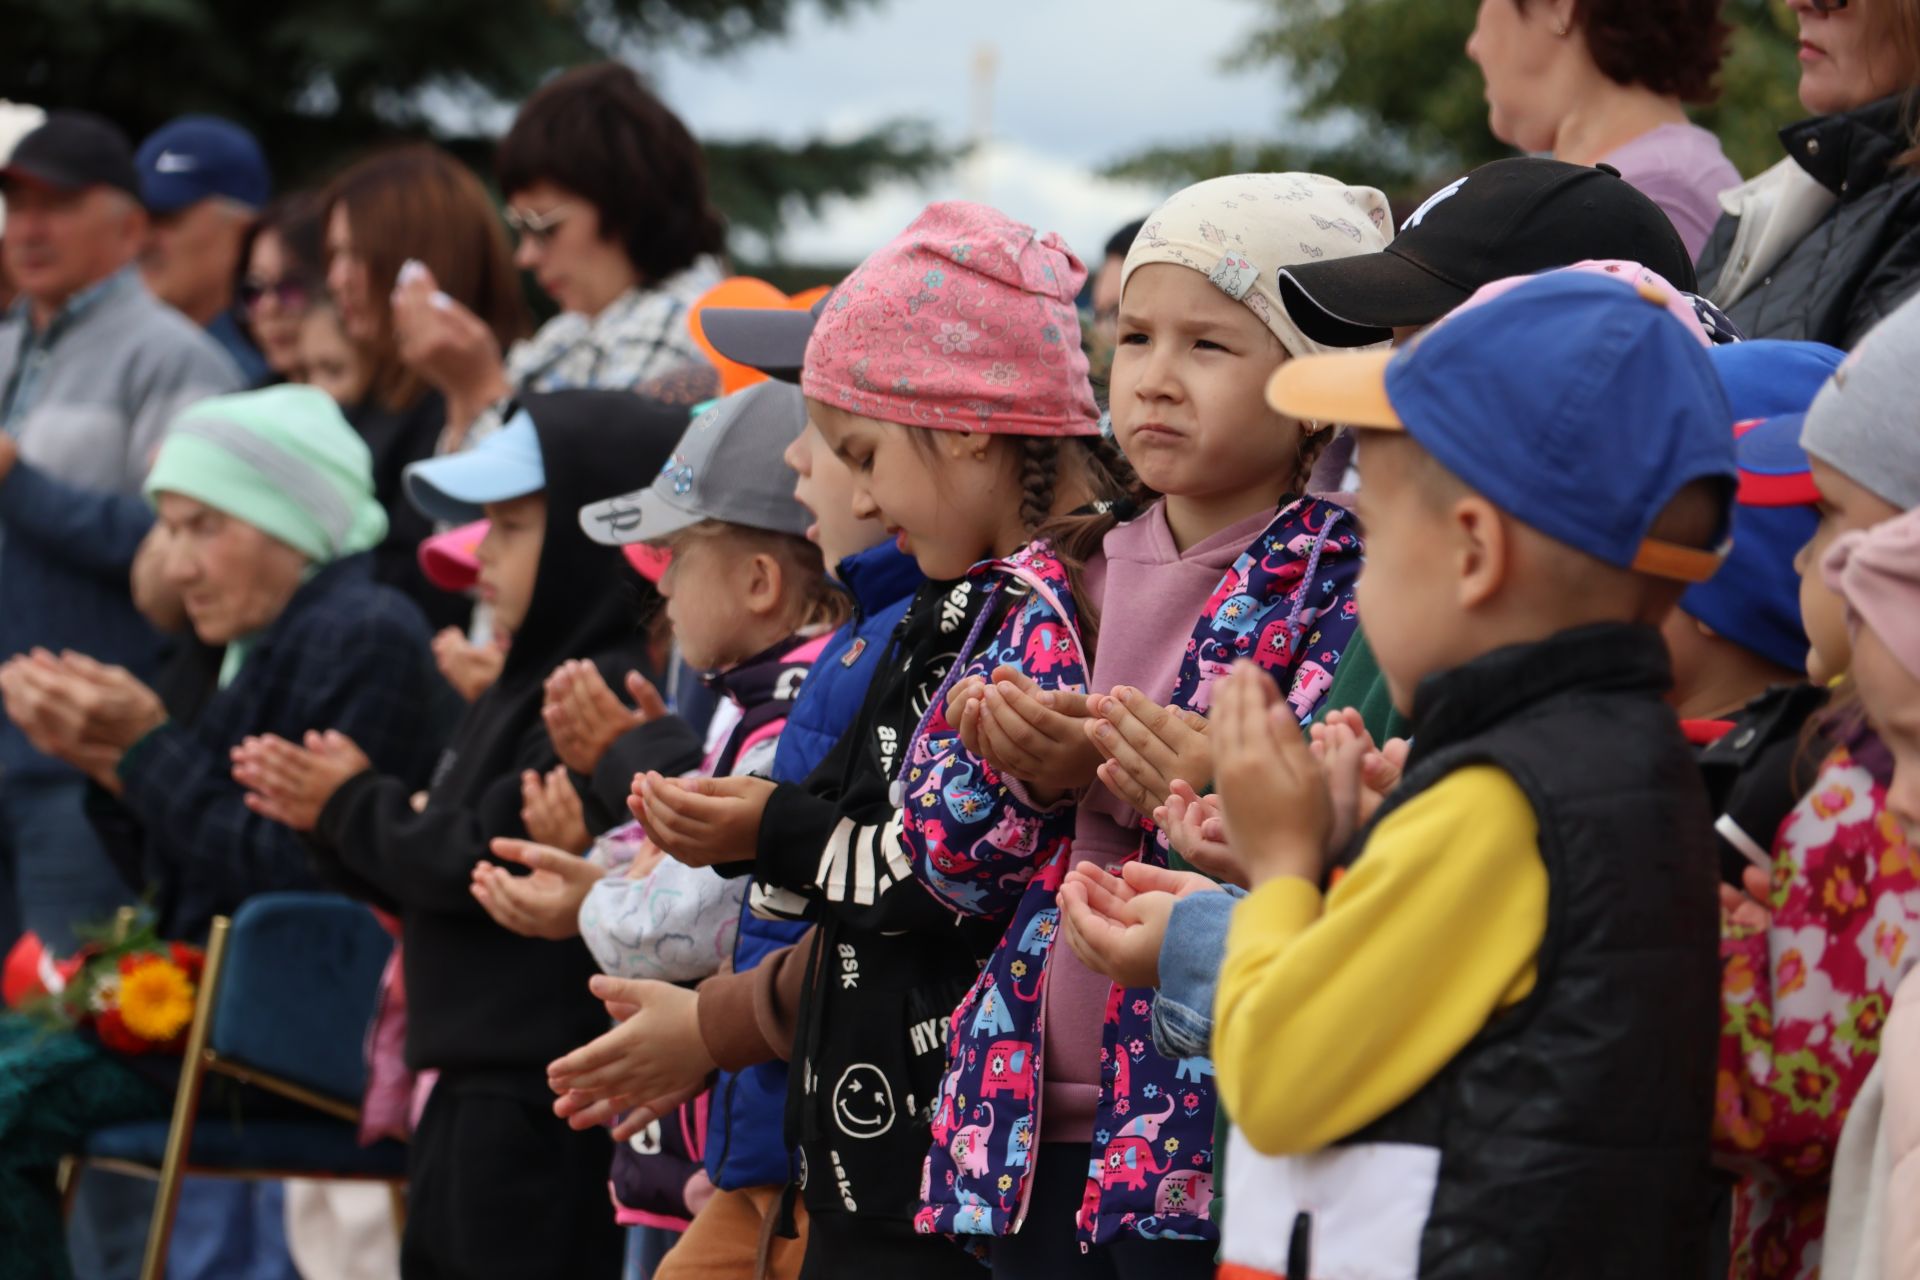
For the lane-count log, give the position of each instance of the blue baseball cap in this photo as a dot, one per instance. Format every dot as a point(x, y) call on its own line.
point(1754, 600)
point(1767, 377)
point(1576, 403)
point(504, 466)
point(186, 160)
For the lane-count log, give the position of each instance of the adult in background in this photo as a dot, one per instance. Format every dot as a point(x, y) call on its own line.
point(92, 369)
point(266, 502)
point(203, 181)
point(607, 192)
point(283, 271)
point(418, 204)
point(1826, 242)
point(17, 120)
point(1607, 82)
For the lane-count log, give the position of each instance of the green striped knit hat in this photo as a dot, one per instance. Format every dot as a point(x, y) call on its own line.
point(283, 460)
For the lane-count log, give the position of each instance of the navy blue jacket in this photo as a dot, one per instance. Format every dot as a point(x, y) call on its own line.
point(346, 653)
point(746, 1146)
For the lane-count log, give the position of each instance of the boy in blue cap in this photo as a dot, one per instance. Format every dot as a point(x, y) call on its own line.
point(1496, 1014)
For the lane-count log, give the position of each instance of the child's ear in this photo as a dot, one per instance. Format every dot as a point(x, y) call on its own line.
point(1482, 551)
point(766, 584)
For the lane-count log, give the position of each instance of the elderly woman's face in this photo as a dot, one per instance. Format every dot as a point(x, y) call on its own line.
point(233, 579)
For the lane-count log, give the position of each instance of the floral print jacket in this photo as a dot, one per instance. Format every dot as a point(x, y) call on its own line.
point(1803, 1004)
point(983, 847)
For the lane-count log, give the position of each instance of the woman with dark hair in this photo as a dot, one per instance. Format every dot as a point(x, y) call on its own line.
point(414, 204)
point(607, 191)
point(1826, 242)
point(1607, 82)
point(282, 269)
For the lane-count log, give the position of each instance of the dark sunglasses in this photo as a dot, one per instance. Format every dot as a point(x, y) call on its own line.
point(292, 295)
point(1827, 6)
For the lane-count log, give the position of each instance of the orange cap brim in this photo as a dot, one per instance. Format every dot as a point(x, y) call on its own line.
point(1347, 389)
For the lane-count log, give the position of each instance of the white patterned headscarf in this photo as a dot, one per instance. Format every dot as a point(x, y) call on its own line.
point(1238, 232)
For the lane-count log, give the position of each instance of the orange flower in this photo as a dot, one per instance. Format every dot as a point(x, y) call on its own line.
point(156, 1000)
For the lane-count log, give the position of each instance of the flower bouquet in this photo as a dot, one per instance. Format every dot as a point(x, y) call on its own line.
point(135, 991)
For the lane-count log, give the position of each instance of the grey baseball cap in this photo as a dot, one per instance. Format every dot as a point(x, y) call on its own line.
point(1862, 424)
point(728, 466)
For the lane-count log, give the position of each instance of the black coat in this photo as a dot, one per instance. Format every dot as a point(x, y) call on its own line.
point(346, 653)
point(397, 438)
point(1859, 262)
point(478, 996)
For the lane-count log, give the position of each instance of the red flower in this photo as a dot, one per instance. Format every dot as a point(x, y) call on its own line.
point(114, 1035)
point(190, 959)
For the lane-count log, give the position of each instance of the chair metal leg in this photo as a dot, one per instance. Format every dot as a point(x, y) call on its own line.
point(186, 1101)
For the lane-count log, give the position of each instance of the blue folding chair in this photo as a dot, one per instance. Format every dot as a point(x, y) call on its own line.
point(286, 996)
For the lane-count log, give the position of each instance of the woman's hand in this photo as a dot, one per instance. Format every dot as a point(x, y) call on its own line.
point(545, 903)
point(470, 668)
point(583, 716)
point(1147, 746)
point(551, 811)
point(290, 784)
point(655, 1053)
point(702, 822)
point(447, 345)
point(80, 711)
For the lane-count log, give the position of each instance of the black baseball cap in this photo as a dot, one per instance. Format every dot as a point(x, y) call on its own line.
point(73, 150)
point(770, 339)
point(1507, 218)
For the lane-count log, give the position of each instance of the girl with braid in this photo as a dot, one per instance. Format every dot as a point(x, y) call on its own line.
point(1059, 1131)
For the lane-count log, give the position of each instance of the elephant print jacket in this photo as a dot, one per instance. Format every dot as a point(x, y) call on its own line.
point(1287, 603)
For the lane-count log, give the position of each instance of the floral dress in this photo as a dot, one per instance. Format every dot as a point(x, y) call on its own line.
point(1803, 1004)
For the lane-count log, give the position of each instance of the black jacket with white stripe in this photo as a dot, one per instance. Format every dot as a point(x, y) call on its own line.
point(892, 961)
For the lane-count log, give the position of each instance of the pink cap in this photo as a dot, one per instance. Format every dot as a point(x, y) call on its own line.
point(1645, 279)
point(647, 560)
point(1877, 572)
point(965, 322)
point(450, 559)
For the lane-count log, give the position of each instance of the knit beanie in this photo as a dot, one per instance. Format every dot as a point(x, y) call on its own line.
point(1238, 232)
point(283, 460)
point(964, 322)
point(1862, 424)
point(1877, 571)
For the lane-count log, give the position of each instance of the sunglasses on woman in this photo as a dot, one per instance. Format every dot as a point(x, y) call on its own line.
point(537, 227)
point(292, 295)
point(1827, 6)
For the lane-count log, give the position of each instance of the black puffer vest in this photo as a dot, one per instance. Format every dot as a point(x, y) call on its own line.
point(1572, 1132)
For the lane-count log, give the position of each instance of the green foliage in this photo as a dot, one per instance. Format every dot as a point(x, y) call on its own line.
point(1385, 88)
point(761, 183)
point(320, 81)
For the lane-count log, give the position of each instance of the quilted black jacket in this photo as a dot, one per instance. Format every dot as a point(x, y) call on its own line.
point(1859, 262)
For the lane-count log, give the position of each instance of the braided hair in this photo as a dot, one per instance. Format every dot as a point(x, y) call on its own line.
point(1074, 537)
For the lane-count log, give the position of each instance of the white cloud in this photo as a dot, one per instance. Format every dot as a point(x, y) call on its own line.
point(1078, 84)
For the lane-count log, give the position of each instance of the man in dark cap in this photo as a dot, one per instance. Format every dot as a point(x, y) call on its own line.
point(92, 368)
point(203, 181)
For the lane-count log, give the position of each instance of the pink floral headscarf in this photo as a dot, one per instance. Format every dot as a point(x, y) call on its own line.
point(964, 322)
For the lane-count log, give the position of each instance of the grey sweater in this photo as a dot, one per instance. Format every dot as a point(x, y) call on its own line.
point(89, 413)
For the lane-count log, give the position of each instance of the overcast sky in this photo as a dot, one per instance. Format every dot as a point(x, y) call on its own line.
point(1079, 83)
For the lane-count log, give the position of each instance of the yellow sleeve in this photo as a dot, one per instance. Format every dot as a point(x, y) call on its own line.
point(1329, 1015)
